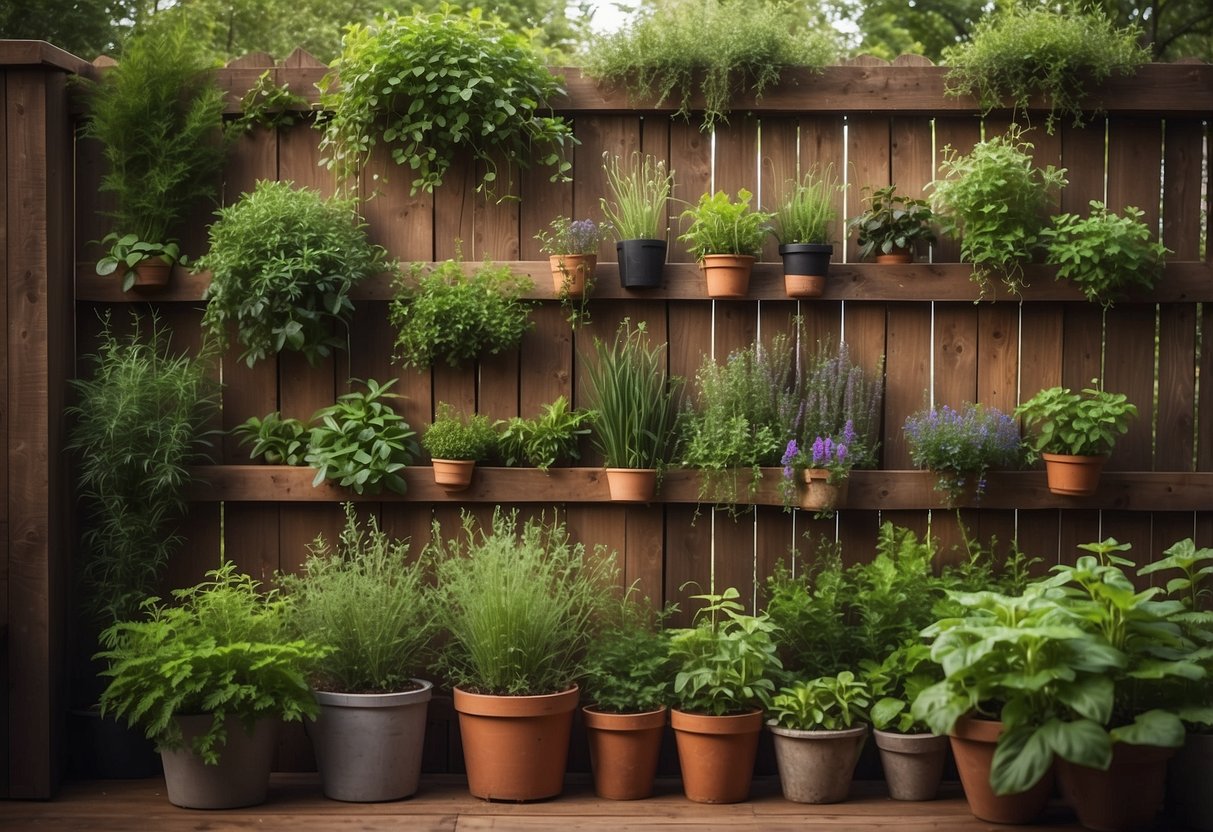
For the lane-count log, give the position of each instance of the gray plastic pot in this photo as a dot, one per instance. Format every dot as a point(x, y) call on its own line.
point(817, 766)
point(913, 763)
point(242, 775)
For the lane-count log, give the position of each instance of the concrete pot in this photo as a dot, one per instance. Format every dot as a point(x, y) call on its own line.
point(368, 745)
point(242, 775)
point(716, 754)
point(623, 751)
point(817, 766)
point(913, 763)
point(1191, 775)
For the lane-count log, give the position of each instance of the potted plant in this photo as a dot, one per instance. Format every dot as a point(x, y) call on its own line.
point(819, 731)
point(1074, 433)
point(823, 466)
point(365, 598)
point(519, 608)
point(276, 440)
point(994, 200)
point(456, 443)
point(636, 410)
point(726, 237)
point(637, 215)
point(572, 246)
point(283, 261)
point(960, 446)
point(723, 666)
point(627, 678)
point(455, 316)
point(892, 225)
point(802, 225)
point(547, 439)
point(1104, 254)
point(158, 116)
point(912, 757)
point(208, 677)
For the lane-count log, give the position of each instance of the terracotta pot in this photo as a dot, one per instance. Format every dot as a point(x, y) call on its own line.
point(727, 275)
point(805, 266)
point(803, 285)
point(640, 263)
point(973, 742)
point(453, 474)
point(632, 485)
point(623, 751)
point(242, 775)
point(570, 272)
point(895, 257)
point(151, 274)
point(716, 754)
point(817, 766)
point(818, 494)
point(913, 763)
point(515, 747)
point(1076, 476)
point(368, 745)
point(1191, 773)
point(1125, 797)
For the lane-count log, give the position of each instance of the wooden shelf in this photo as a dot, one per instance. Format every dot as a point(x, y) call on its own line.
point(869, 490)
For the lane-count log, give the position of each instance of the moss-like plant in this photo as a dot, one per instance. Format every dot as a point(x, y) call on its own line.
point(455, 436)
point(1037, 49)
point(720, 49)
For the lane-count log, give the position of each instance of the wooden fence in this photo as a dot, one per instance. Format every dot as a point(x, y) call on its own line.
point(876, 124)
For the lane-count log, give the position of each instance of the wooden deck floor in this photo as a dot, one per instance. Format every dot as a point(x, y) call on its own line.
point(443, 805)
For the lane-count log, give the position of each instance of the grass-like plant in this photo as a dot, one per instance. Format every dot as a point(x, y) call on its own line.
point(283, 261)
point(1028, 49)
point(547, 439)
point(721, 226)
point(453, 435)
point(719, 49)
point(449, 315)
point(805, 210)
point(626, 383)
point(960, 446)
point(364, 597)
point(519, 605)
point(360, 442)
point(640, 193)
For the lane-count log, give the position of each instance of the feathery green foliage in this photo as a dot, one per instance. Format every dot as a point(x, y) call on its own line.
point(455, 436)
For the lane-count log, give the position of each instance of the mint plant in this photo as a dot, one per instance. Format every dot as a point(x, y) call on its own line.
point(1104, 254)
point(827, 703)
point(280, 441)
point(1087, 423)
point(359, 442)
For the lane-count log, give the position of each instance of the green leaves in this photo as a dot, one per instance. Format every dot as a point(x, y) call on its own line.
point(1084, 424)
point(1105, 254)
point(456, 436)
point(721, 226)
point(641, 192)
point(891, 221)
point(828, 703)
point(806, 208)
point(546, 440)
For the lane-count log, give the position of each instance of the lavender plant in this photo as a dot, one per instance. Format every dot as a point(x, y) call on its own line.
point(960, 446)
point(828, 453)
point(835, 393)
point(573, 236)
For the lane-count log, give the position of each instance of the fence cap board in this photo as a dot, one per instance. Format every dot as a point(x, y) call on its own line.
point(17, 53)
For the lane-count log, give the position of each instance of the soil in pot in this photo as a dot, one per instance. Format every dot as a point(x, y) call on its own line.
point(1074, 476)
point(453, 474)
point(242, 775)
point(624, 749)
point(973, 742)
point(727, 275)
point(632, 485)
point(817, 766)
point(716, 754)
point(912, 763)
point(641, 263)
point(1124, 798)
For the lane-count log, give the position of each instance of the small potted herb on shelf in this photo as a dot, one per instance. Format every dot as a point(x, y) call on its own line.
point(547, 439)
point(726, 237)
point(802, 225)
point(572, 246)
point(824, 466)
point(912, 757)
point(276, 440)
point(820, 727)
point(456, 443)
point(637, 214)
point(892, 225)
point(1074, 433)
point(1104, 254)
point(960, 446)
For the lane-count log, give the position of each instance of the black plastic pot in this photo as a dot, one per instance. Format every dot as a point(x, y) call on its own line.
point(106, 749)
point(809, 259)
point(641, 263)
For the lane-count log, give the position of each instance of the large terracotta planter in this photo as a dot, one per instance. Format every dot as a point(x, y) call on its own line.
point(727, 275)
point(913, 763)
point(515, 747)
point(623, 751)
point(973, 743)
point(368, 745)
point(805, 266)
point(819, 494)
point(453, 474)
point(716, 754)
point(1127, 796)
point(817, 766)
point(632, 485)
point(570, 272)
point(1191, 778)
point(1074, 476)
point(241, 777)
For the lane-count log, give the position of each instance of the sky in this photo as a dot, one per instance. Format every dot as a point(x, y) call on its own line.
point(607, 17)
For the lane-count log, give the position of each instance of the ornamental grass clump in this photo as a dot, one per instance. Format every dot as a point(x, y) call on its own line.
point(641, 191)
point(806, 209)
point(960, 446)
point(519, 605)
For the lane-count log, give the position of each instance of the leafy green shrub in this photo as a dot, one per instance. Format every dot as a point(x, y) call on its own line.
point(221, 648)
point(360, 442)
point(1027, 49)
point(719, 49)
point(721, 226)
point(896, 682)
point(447, 314)
point(548, 439)
point(453, 436)
point(997, 199)
point(519, 606)
point(1088, 423)
point(430, 85)
point(891, 222)
point(805, 210)
point(366, 599)
point(283, 261)
point(640, 195)
point(960, 446)
point(827, 703)
point(1104, 254)
point(280, 441)
point(140, 420)
point(627, 664)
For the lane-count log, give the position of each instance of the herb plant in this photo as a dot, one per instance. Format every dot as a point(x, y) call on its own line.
point(573, 236)
point(449, 315)
point(280, 441)
point(806, 208)
point(283, 261)
point(678, 50)
point(721, 226)
point(1087, 423)
point(827, 703)
point(994, 199)
point(359, 442)
point(1026, 49)
point(640, 193)
point(826, 453)
point(519, 606)
point(454, 436)
point(221, 648)
point(896, 682)
point(1104, 254)
point(267, 105)
point(129, 251)
point(627, 664)
point(960, 446)
point(430, 85)
point(364, 597)
point(891, 222)
point(1194, 586)
point(834, 393)
point(546, 440)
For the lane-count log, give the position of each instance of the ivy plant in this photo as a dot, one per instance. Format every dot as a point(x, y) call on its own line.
point(267, 105)
point(430, 85)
